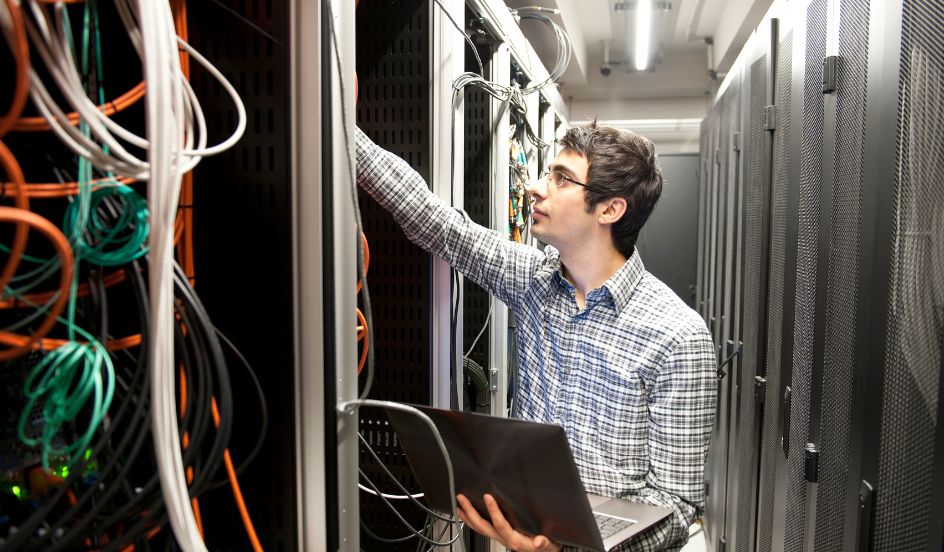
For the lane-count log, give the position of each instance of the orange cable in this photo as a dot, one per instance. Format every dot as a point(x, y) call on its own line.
point(366, 260)
point(234, 483)
point(362, 336)
point(15, 173)
point(61, 244)
point(48, 344)
point(186, 443)
point(362, 328)
point(149, 536)
point(49, 190)
point(184, 242)
point(119, 104)
point(21, 55)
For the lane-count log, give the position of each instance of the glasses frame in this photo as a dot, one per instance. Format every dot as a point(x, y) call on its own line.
point(547, 173)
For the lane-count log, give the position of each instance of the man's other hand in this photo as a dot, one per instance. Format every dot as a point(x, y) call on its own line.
point(499, 529)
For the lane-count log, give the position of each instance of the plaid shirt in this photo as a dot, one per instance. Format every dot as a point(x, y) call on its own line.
point(631, 377)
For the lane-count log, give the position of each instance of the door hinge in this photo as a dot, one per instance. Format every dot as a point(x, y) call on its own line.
point(812, 463)
point(785, 408)
point(717, 156)
point(829, 74)
point(760, 388)
point(736, 141)
point(493, 379)
point(722, 544)
point(866, 499)
point(770, 117)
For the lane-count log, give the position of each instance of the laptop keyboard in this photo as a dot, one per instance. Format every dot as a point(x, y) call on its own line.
point(610, 525)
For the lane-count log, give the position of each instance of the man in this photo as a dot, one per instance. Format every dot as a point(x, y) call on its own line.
point(606, 350)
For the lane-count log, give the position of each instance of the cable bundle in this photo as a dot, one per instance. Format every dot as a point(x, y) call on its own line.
point(561, 39)
point(115, 496)
point(112, 497)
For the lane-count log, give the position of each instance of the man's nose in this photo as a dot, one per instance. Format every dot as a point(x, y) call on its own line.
point(537, 188)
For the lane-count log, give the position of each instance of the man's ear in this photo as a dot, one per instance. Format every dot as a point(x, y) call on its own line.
point(613, 210)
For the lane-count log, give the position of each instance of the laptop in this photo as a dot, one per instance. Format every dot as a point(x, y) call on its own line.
point(528, 467)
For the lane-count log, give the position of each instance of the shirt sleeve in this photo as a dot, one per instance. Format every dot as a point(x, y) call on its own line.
point(681, 415)
point(502, 267)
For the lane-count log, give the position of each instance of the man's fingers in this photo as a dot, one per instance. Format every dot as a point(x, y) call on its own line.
point(511, 538)
point(472, 518)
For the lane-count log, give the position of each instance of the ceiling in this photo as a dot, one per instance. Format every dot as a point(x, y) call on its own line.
point(683, 70)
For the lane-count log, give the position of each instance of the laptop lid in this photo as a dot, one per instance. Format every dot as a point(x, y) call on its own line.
point(528, 467)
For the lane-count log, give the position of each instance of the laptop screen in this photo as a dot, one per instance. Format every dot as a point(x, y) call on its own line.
point(528, 467)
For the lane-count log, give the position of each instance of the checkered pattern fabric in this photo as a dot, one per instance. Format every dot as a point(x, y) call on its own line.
point(631, 377)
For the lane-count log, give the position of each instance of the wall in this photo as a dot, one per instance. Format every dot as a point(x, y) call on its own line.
point(668, 241)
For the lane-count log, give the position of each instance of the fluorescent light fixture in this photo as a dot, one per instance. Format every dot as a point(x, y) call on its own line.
point(643, 28)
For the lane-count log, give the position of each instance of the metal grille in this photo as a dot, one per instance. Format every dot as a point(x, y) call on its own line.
point(477, 198)
point(775, 322)
point(248, 42)
point(701, 269)
point(913, 355)
point(842, 285)
point(393, 109)
point(756, 205)
point(811, 170)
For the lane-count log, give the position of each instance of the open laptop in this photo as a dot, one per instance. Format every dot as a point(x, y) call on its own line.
point(529, 469)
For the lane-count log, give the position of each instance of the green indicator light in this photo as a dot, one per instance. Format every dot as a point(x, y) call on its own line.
point(17, 491)
point(88, 453)
point(64, 472)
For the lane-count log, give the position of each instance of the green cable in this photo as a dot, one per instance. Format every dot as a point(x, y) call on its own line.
point(63, 381)
point(69, 376)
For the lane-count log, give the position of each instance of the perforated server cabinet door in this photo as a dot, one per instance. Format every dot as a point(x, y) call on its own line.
point(781, 289)
point(242, 227)
point(393, 64)
point(719, 457)
point(701, 268)
point(809, 49)
point(900, 344)
point(842, 187)
point(756, 97)
point(477, 114)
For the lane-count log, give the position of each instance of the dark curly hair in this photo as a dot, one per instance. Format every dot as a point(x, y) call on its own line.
point(622, 164)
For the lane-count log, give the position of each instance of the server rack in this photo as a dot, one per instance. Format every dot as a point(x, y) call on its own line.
point(850, 453)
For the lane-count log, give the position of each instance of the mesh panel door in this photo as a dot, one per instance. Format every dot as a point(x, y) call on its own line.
point(393, 109)
point(811, 173)
point(248, 43)
point(756, 206)
point(716, 466)
point(916, 298)
point(701, 269)
point(842, 293)
point(477, 198)
point(776, 324)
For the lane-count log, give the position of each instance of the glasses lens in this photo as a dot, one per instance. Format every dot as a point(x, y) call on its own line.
point(554, 177)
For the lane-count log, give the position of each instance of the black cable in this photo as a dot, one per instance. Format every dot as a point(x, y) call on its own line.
point(29, 527)
point(400, 485)
point(397, 513)
point(397, 540)
point(263, 412)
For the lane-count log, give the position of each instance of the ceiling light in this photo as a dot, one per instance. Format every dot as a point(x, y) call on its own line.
point(643, 28)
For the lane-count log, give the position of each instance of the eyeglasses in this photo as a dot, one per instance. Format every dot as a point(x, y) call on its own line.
point(558, 178)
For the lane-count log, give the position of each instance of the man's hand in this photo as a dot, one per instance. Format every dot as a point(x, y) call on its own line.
point(499, 529)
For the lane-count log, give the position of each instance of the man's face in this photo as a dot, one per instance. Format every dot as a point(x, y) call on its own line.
point(559, 214)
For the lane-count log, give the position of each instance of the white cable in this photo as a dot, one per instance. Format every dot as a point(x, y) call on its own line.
point(390, 496)
point(50, 43)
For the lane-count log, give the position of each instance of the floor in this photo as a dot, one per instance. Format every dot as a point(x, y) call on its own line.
point(696, 542)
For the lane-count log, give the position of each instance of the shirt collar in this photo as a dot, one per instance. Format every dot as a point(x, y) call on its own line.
point(620, 285)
